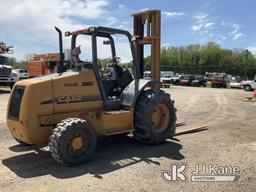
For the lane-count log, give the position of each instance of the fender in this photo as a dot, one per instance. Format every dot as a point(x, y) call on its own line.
point(133, 91)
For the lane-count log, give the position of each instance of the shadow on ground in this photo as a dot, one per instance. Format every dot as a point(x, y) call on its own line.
point(112, 153)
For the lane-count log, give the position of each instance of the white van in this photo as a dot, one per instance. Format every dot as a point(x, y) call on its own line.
point(147, 75)
point(22, 73)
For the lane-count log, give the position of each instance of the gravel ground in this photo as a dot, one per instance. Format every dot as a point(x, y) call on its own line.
point(122, 164)
point(4, 95)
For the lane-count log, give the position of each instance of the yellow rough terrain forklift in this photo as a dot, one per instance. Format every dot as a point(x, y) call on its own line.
point(70, 109)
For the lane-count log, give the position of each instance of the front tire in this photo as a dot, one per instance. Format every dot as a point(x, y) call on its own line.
point(72, 142)
point(247, 88)
point(155, 117)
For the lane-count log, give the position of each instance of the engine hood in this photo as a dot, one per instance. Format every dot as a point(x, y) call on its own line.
point(37, 80)
point(246, 82)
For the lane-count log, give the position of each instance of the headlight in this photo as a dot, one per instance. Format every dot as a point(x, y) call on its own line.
point(14, 74)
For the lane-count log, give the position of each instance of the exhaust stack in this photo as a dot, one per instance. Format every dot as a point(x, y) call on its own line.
point(61, 68)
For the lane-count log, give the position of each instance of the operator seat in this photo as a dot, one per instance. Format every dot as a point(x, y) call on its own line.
point(117, 82)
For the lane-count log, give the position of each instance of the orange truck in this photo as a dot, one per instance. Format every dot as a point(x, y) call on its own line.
point(43, 64)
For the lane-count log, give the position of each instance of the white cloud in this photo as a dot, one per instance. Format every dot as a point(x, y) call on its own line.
point(219, 31)
point(220, 38)
point(32, 21)
point(207, 29)
point(237, 35)
point(202, 26)
point(29, 24)
point(235, 29)
point(252, 49)
point(208, 25)
point(197, 27)
point(173, 14)
point(235, 26)
point(202, 23)
point(83, 9)
point(200, 15)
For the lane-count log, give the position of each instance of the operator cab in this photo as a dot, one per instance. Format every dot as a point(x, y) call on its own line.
point(115, 78)
point(95, 49)
point(113, 75)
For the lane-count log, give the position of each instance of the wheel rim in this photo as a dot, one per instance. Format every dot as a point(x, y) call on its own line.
point(77, 144)
point(160, 118)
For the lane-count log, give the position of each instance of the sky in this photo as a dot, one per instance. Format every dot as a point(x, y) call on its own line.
point(28, 25)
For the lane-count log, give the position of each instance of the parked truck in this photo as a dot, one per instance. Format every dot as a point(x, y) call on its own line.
point(8, 76)
point(218, 80)
point(249, 85)
point(165, 78)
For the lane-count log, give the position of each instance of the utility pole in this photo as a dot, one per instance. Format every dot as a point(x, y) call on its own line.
point(246, 63)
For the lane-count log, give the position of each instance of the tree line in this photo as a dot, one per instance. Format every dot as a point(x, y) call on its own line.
point(211, 57)
point(194, 59)
point(22, 64)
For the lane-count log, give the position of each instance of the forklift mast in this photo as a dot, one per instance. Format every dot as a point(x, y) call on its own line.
point(148, 22)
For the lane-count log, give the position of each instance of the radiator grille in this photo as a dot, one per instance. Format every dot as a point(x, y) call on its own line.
point(5, 71)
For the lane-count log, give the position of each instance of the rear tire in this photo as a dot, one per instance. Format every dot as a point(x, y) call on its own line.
point(72, 142)
point(155, 117)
